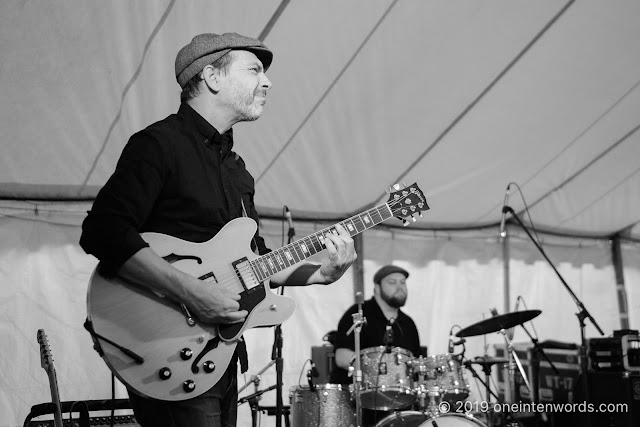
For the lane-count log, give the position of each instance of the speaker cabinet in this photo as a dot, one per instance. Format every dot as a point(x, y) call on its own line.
point(620, 391)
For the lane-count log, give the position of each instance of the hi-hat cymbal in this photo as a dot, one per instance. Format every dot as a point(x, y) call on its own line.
point(497, 323)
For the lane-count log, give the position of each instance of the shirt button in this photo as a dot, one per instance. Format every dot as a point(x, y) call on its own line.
point(206, 141)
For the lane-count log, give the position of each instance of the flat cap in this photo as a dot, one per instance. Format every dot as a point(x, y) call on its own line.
point(207, 48)
point(387, 270)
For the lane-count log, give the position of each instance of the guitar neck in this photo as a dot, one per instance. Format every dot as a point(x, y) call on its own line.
point(55, 396)
point(269, 264)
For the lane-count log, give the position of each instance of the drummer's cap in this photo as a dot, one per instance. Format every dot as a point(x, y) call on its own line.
point(387, 270)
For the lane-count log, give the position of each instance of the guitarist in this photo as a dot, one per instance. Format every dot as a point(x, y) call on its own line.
point(180, 177)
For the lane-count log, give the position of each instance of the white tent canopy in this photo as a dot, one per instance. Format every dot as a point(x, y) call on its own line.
point(462, 97)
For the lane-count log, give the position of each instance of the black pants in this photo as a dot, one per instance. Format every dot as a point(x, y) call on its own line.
point(217, 407)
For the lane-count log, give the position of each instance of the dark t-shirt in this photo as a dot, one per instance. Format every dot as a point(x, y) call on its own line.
point(405, 334)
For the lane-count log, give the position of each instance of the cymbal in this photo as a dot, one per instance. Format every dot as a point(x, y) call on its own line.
point(496, 323)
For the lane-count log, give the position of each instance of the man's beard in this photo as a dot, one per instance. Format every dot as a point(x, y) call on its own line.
point(395, 300)
point(245, 105)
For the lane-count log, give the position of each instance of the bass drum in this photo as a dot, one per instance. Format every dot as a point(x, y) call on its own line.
point(327, 405)
point(404, 419)
point(452, 420)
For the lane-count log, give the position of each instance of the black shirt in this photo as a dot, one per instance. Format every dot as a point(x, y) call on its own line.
point(405, 334)
point(178, 176)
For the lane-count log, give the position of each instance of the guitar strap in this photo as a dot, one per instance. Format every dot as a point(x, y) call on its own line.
point(241, 348)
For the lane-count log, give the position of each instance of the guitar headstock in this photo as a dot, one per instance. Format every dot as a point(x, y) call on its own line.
point(407, 202)
point(46, 360)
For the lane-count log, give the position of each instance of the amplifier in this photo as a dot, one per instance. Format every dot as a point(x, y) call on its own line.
point(97, 412)
point(119, 420)
point(617, 353)
point(556, 387)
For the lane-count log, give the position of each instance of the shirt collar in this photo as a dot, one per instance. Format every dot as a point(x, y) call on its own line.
point(209, 133)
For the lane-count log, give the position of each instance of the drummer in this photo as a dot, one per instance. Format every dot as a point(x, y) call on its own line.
point(389, 294)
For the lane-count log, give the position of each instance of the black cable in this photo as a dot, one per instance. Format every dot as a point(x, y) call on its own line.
point(526, 209)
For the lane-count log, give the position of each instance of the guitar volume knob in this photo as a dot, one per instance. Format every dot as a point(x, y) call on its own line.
point(209, 366)
point(188, 386)
point(164, 373)
point(186, 353)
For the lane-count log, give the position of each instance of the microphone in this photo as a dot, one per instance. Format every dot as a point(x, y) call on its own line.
point(311, 374)
point(450, 347)
point(388, 334)
point(453, 342)
point(503, 232)
point(287, 215)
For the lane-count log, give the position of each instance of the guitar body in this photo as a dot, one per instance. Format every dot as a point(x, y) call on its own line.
point(158, 329)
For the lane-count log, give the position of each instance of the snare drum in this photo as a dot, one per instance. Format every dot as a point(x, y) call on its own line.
point(386, 380)
point(328, 405)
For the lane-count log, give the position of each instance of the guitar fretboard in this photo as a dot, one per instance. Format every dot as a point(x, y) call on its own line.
point(269, 264)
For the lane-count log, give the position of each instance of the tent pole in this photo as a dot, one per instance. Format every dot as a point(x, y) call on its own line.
point(616, 258)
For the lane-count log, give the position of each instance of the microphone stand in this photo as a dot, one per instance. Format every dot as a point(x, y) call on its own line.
point(581, 315)
point(276, 354)
point(253, 400)
point(358, 321)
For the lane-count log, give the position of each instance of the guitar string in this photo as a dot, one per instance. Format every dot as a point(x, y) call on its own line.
point(232, 281)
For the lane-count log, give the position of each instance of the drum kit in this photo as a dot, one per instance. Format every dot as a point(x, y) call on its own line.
point(415, 391)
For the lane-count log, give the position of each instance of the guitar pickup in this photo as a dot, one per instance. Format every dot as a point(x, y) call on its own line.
point(245, 274)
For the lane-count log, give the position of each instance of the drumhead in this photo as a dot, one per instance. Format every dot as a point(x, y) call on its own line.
point(403, 419)
point(326, 386)
point(382, 349)
point(452, 420)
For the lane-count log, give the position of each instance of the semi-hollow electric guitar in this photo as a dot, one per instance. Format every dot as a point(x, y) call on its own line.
point(154, 345)
point(46, 361)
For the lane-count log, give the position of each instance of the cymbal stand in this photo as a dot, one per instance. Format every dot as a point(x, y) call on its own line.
point(358, 321)
point(535, 372)
point(513, 361)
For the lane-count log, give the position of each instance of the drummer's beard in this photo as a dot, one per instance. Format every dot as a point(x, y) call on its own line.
point(396, 300)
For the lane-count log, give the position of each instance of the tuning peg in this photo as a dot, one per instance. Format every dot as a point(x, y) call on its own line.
point(413, 218)
point(405, 222)
point(404, 185)
point(396, 187)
